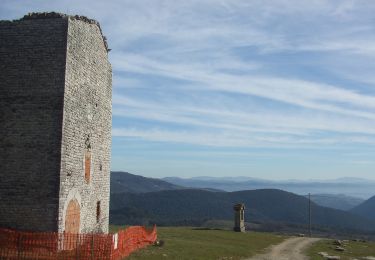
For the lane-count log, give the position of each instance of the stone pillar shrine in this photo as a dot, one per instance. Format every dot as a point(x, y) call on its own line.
point(239, 217)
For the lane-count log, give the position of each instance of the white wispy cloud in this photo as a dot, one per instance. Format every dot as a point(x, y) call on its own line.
point(298, 123)
point(303, 93)
point(236, 139)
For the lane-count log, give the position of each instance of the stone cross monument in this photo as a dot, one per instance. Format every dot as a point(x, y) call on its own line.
point(239, 217)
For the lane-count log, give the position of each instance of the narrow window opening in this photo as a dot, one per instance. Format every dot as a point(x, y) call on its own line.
point(87, 160)
point(87, 166)
point(97, 211)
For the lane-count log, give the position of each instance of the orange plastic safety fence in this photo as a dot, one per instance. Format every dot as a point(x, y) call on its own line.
point(132, 239)
point(61, 246)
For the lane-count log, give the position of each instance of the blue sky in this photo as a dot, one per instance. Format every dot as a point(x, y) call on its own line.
point(270, 89)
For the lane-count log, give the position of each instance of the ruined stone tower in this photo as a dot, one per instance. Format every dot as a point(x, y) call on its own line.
point(55, 124)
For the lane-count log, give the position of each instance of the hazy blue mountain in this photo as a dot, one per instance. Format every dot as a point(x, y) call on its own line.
point(193, 207)
point(127, 182)
point(353, 187)
point(366, 209)
point(336, 201)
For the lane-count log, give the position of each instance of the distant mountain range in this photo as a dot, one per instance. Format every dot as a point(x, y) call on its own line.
point(126, 182)
point(140, 200)
point(353, 187)
point(336, 201)
point(194, 207)
point(366, 209)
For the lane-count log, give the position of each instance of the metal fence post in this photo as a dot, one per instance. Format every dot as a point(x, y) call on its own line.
point(19, 246)
point(77, 244)
point(92, 247)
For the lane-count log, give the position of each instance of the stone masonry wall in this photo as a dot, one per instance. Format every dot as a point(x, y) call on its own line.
point(87, 122)
point(32, 74)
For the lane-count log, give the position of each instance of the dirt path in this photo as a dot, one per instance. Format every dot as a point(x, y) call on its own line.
point(290, 249)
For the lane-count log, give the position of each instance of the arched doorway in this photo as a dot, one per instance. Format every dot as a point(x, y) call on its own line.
point(72, 217)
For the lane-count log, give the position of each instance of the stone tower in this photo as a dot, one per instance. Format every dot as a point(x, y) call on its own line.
point(55, 124)
point(239, 217)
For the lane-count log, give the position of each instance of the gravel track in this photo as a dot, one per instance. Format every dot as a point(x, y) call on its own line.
point(290, 249)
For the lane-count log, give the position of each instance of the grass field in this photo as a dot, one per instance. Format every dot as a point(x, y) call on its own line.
point(353, 250)
point(194, 244)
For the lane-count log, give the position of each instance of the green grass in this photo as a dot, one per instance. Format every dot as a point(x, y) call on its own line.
point(353, 249)
point(192, 244)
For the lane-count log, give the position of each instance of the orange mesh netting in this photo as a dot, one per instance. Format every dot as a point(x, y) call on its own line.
point(62, 246)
